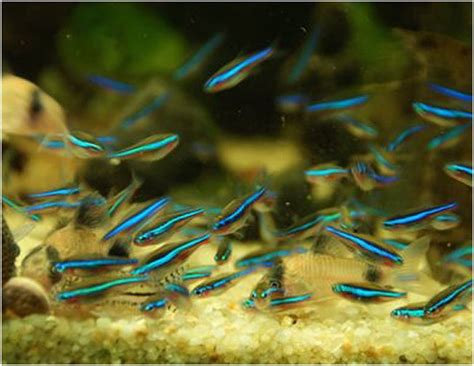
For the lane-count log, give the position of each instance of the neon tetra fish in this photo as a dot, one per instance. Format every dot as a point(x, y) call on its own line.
point(83, 145)
point(368, 246)
point(235, 214)
point(412, 313)
point(221, 283)
point(366, 292)
point(367, 179)
point(170, 254)
point(451, 92)
point(453, 297)
point(449, 138)
point(404, 136)
point(152, 148)
point(462, 172)
point(97, 288)
point(145, 111)
point(443, 117)
point(61, 192)
point(110, 84)
point(325, 173)
point(199, 57)
point(418, 219)
point(445, 221)
point(363, 130)
point(92, 263)
point(336, 105)
point(116, 202)
point(138, 218)
point(165, 227)
point(235, 72)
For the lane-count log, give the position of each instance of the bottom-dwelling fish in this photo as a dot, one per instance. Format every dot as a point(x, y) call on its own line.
point(314, 272)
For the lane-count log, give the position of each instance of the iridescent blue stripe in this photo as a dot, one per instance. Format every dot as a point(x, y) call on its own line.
point(239, 211)
point(403, 136)
point(98, 288)
point(366, 245)
point(337, 104)
point(451, 92)
point(415, 217)
point(170, 256)
point(137, 218)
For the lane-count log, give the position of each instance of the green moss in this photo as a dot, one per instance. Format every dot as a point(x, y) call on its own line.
point(119, 40)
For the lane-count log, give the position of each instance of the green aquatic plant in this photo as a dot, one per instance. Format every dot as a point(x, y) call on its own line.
point(122, 39)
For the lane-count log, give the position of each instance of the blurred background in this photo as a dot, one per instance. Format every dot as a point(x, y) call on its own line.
point(388, 50)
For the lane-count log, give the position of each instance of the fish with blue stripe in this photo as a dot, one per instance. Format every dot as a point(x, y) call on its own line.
point(235, 214)
point(152, 148)
point(462, 172)
point(19, 208)
point(384, 160)
point(325, 173)
point(443, 117)
point(265, 257)
point(404, 136)
point(60, 192)
point(114, 85)
point(51, 206)
point(236, 71)
point(83, 145)
point(368, 246)
point(336, 105)
point(366, 292)
point(170, 255)
point(302, 62)
point(92, 263)
point(418, 219)
point(115, 203)
point(165, 227)
point(413, 313)
point(445, 221)
point(451, 92)
point(448, 138)
point(452, 298)
point(367, 179)
point(197, 273)
point(221, 283)
point(145, 111)
point(97, 288)
point(363, 130)
point(309, 225)
point(199, 57)
point(461, 256)
point(139, 218)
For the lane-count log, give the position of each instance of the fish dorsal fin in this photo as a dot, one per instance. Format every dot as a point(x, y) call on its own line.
point(414, 274)
point(325, 244)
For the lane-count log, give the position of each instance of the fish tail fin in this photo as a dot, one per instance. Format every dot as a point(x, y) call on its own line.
point(414, 274)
